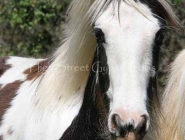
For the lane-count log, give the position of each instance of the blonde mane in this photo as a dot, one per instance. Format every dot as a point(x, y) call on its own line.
point(171, 125)
point(78, 50)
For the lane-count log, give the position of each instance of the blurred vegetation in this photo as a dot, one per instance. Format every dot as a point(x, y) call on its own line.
point(33, 28)
point(30, 27)
point(173, 44)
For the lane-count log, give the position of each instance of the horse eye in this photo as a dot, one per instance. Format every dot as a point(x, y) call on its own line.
point(160, 37)
point(99, 34)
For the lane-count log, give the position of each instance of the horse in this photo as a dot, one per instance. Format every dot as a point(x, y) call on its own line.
point(100, 84)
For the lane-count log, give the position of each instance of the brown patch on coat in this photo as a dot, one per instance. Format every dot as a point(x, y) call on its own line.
point(37, 70)
point(7, 93)
point(1, 137)
point(3, 66)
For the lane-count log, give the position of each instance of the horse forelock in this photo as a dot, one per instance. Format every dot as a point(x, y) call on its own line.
point(160, 8)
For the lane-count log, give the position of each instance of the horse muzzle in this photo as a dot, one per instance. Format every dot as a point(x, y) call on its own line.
point(130, 129)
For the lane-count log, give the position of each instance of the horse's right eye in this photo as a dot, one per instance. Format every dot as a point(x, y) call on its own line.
point(99, 35)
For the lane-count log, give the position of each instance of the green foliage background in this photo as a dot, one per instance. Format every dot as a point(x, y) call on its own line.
point(173, 44)
point(30, 27)
point(33, 28)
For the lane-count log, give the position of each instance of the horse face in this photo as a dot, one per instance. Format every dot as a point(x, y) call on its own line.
point(128, 37)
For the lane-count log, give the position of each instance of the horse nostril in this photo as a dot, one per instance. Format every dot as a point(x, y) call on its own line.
point(116, 125)
point(142, 127)
point(116, 121)
point(119, 127)
point(122, 128)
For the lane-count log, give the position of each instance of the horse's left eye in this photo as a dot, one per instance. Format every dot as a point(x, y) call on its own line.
point(99, 34)
point(160, 37)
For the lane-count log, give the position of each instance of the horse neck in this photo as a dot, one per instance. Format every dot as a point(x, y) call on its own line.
point(92, 115)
